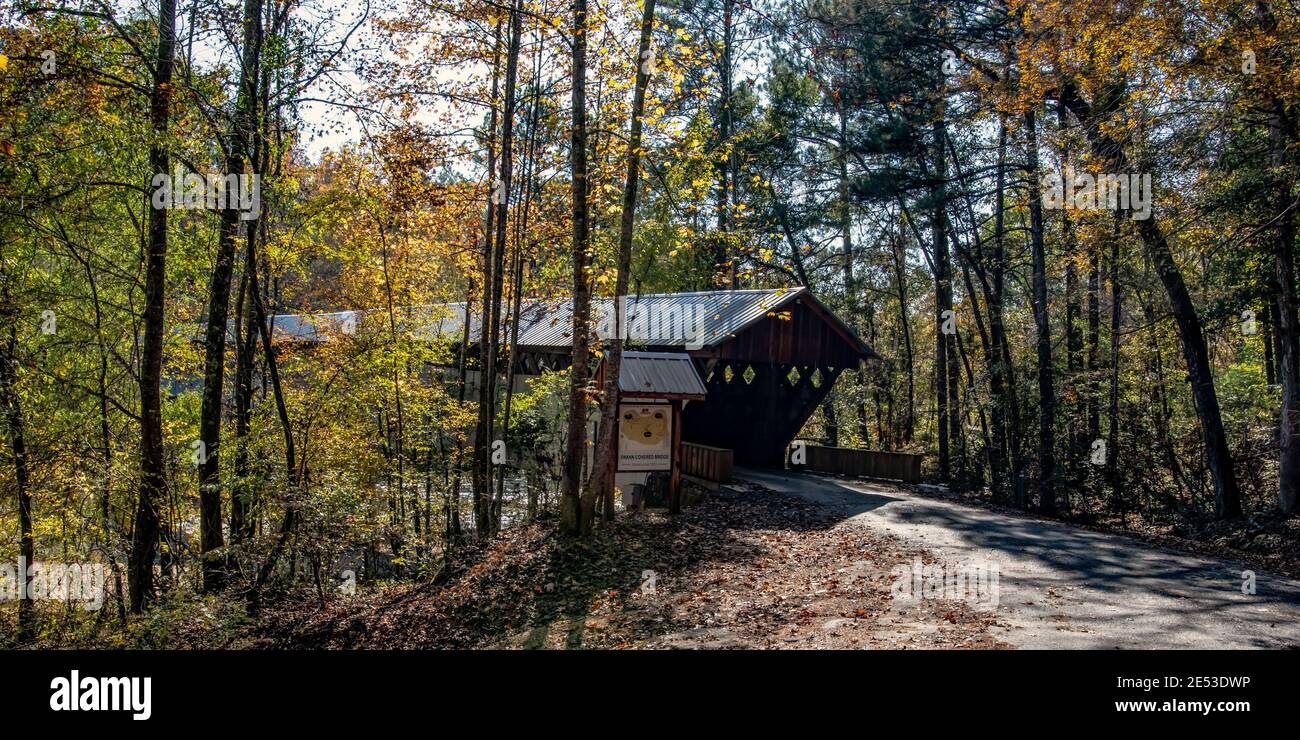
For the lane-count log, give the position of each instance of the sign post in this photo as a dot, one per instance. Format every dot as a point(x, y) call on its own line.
point(675, 481)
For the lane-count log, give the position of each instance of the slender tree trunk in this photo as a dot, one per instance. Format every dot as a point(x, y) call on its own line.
point(1073, 361)
point(394, 426)
point(288, 523)
point(487, 524)
point(517, 279)
point(1046, 392)
point(453, 527)
point(481, 476)
point(998, 385)
point(900, 277)
point(153, 470)
point(1286, 330)
point(876, 391)
point(1266, 338)
point(219, 305)
point(1094, 339)
point(1073, 332)
point(575, 518)
point(1274, 320)
point(105, 447)
point(944, 316)
point(1116, 300)
point(606, 447)
point(724, 259)
point(986, 347)
point(293, 475)
point(13, 412)
point(242, 516)
point(521, 239)
point(944, 279)
point(214, 367)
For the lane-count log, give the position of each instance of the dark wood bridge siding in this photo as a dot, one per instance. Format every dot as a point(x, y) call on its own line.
point(867, 463)
point(761, 407)
point(799, 334)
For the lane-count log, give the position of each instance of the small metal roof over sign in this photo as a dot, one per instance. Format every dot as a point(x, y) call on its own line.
point(660, 375)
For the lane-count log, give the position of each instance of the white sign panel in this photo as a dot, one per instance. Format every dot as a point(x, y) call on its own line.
point(645, 437)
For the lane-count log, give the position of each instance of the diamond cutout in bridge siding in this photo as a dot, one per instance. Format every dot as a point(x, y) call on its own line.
point(749, 374)
point(817, 378)
point(728, 374)
point(793, 376)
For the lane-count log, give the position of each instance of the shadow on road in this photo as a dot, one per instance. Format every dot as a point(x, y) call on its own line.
point(1072, 578)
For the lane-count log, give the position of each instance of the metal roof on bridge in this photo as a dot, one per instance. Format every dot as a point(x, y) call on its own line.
point(687, 320)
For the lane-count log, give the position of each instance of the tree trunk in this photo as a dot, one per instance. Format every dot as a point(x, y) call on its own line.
point(453, 527)
point(1073, 360)
point(521, 239)
point(900, 277)
point(1286, 331)
point(506, 184)
point(851, 307)
point(214, 367)
point(153, 470)
point(943, 309)
point(1112, 445)
point(724, 258)
point(294, 477)
point(1046, 392)
point(290, 519)
point(1094, 339)
point(998, 385)
point(481, 475)
point(13, 413)
point(219, 307)
point(1074, 444)
point(242, 515)
point(602, 468)
point(483, 524)
point(575, 518)
point(1266, 338)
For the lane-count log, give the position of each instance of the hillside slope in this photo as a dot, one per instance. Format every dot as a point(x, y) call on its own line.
point(742, 570)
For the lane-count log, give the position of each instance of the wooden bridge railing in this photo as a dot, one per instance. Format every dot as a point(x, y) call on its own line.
point(709, 463)
point(867, 463)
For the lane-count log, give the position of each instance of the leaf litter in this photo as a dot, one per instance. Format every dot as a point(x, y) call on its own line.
point(744, 569)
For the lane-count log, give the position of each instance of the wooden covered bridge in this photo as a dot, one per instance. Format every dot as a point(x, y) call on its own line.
point(768, 358)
